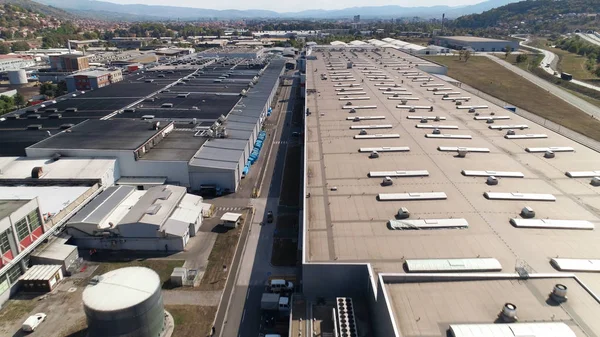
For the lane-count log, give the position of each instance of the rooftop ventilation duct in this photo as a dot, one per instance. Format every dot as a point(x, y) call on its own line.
point(510, 132)
point(458, 102)
point(353, 111)
point(595, 181)
point(424, 120)
point(387, 181)
point(527, 212)
point(374, 154)
point(363, 132)
point(509, 313)
point(559, 293)
point(436, 131)
point(437, 118)
point(549, 154)
point(356, 119)
point(490, 121)
point(477, 114)
point(349, 103)
point(462, 152)
point(403, 213)
point(491, 180)
point(37, 172)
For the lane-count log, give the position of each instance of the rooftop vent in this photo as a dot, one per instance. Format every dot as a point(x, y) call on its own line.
point(37, 172)
point(491, 180)
point(349, 103)
point(477, 114)
point(387, 181)
point(559, 293)
point(462, 152)
point(363, 132)
point(471, 110)
point(403, 213)
point(595, 181)
point(67, 126)
point(34, 127)
point(509, 313)
point(510, 132)
point(129, 110)
point(34, 116)
point(527, 212)
point(424, 120)
point(352, 110)
point(490, 121)
point(374, 154)
point(459, 103)
point(71, 109)
point(55, 116)
point(155, 125)
point(436, 131)
point(549, 154)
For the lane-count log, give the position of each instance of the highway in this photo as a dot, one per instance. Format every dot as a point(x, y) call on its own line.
point(551, 88)
point(243, 314)
point(552, 59)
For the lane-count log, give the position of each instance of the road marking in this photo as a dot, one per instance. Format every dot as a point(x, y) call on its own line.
point(248, 293)
point(243, 315)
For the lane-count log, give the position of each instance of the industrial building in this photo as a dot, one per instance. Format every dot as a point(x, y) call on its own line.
point(450, 215)
point(475, 43)
point(125, 302)
point(124, 218)
point(94, 79)
point(9, 62)
point(69, 62)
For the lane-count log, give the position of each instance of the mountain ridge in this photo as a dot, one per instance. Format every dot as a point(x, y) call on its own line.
point(88, 7)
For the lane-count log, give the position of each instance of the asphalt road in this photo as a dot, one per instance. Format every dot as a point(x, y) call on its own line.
point(551, 88)
point(243, 315)
point(591, 38)
point(552, 59)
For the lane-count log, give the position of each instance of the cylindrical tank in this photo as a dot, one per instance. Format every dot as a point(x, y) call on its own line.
point(17, 77)
point(126, 302)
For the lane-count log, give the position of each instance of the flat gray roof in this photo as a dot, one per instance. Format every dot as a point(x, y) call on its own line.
point(349, 224)
point(470, 39)
point(102, 205)
point(7, 207)
point(176, 146)
point(428, 308)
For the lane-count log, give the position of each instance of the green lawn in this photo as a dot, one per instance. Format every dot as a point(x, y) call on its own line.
point(509, 87)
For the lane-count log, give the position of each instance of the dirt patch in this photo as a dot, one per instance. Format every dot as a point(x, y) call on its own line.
point(285, 252)
point(221, 255)
point(192, 320)
point(163, 268)
point(16, 309)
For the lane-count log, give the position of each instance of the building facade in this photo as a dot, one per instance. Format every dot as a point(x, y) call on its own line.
point(69, 62)
point(20, 226)
point(475, 43)
point(93, 79)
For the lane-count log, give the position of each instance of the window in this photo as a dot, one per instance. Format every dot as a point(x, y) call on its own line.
point(22, 229)
point(14, 273)
point(34, 220)
point(4, 243)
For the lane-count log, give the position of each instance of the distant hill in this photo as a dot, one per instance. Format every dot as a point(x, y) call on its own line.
point(40, 8)
point(92, 7)
point(546, 13)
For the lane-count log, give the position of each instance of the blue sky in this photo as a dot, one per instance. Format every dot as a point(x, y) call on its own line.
point(294, 6)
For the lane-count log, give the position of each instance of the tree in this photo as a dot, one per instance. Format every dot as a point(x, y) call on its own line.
point(20, 46)
point(48, 89)
point(507, 50)
point(461, 53)
point(4, 49)
point(597, 72)
point(19, 100)
point(467, 55)
point(521, 58)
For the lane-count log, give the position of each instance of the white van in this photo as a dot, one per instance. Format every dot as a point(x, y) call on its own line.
point(32, 322)
point(279, 285)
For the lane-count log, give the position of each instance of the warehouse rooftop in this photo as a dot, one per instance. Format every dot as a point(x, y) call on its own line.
point(176, 146)
point(347, 222)
point(121, 134)
point(471, 39)
point(480, 300)
point(7, 207)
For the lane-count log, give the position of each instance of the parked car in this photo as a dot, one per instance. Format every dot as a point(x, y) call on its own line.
point(33, 322)
point(269, 216)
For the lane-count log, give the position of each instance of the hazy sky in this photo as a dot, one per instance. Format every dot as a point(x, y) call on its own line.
point(294, 6)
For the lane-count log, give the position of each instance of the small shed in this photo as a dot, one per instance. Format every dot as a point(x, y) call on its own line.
point(231, 220)
point(56, 253)
point(42, 277)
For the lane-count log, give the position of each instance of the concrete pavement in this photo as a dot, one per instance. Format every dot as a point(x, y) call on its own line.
point(551, 88)
point(243, 316)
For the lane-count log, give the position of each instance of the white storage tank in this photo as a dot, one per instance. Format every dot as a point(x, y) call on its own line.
point(17, 77)
point(126, 302)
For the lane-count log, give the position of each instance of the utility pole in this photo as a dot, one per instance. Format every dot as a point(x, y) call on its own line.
point(443, 16)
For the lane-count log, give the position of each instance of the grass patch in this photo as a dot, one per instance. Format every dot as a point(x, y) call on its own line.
point(221, 255)
point(509, 87)
point(16, 309)
point(573, 64)
point(284, 252)
point(163, 268)
point(533, 60)
point(192, 320)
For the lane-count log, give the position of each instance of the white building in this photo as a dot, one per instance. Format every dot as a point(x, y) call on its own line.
point(125, 218)
point(16, 63)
